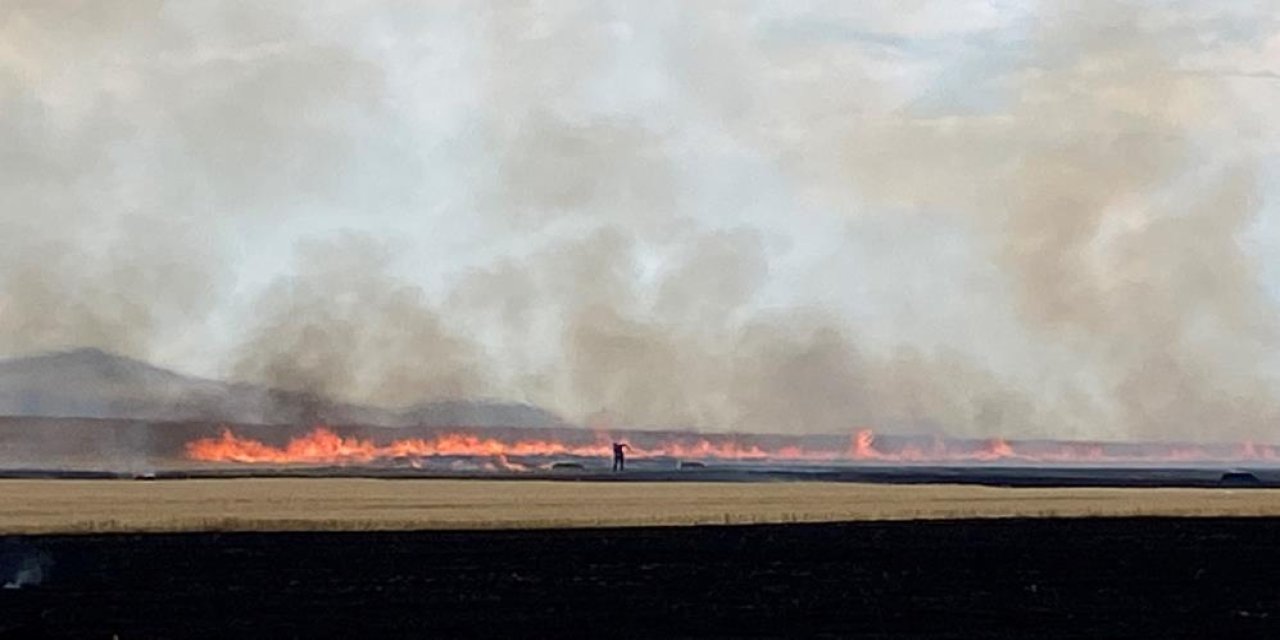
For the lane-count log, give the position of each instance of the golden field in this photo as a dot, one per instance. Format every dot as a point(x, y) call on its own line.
point(284, 504)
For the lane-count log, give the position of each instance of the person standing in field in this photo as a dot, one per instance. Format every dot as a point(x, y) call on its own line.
point(619, 457)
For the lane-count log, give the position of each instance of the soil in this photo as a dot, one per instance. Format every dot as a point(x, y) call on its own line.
point(1014, 578)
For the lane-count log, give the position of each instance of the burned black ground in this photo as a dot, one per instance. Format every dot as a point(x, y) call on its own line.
point(951, 579)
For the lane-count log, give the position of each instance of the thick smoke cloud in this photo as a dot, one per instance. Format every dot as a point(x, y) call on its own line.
point(135, 134)
point(340, 328)
point(668, 217)
point(1116, 196)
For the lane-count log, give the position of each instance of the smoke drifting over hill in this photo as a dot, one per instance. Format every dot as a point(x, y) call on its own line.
point(969, 218)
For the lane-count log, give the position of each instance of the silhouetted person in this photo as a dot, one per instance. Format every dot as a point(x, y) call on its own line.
point(619, 458)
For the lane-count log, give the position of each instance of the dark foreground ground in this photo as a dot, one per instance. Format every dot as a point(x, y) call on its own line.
point(1145, 578)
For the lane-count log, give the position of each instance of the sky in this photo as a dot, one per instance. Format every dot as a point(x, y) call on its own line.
point(973, 217)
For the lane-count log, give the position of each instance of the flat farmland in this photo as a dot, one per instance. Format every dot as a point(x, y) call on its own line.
point(348, 504)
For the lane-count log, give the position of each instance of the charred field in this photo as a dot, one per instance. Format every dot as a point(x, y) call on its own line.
point(1119, 577)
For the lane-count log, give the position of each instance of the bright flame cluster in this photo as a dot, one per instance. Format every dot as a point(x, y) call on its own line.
point(324, 446)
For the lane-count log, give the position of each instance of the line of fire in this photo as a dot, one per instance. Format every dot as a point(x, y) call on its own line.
point(545, 449)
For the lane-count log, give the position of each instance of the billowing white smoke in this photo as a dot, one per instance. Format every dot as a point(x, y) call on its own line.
point(963, 217)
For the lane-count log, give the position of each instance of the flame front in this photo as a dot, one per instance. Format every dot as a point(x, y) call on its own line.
point(324, 446)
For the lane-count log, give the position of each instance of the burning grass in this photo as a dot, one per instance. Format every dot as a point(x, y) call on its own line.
point(85, 506)
point(324, 445)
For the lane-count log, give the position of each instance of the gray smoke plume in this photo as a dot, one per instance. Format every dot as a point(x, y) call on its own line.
point(342, 329)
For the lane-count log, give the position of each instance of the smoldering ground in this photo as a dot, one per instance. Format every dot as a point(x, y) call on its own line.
point(706, 216)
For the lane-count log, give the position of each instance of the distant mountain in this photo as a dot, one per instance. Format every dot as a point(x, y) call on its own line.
point(94, 384)
point(90, 383)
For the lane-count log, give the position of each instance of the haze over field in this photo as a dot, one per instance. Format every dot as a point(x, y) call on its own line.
point(976, 218)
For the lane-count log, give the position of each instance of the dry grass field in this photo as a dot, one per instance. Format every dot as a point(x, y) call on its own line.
point(84, 506)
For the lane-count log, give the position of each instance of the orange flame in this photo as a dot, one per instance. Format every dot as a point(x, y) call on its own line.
point(324, 446)
point(864, 445)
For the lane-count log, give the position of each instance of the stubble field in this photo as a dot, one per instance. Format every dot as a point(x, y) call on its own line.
point(320, 504)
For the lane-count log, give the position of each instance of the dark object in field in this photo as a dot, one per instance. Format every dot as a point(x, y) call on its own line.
point(566, 465)
point(1239, 479)
point(687, 464)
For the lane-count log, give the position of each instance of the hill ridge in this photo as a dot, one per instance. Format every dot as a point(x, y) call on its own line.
point(89, 382)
